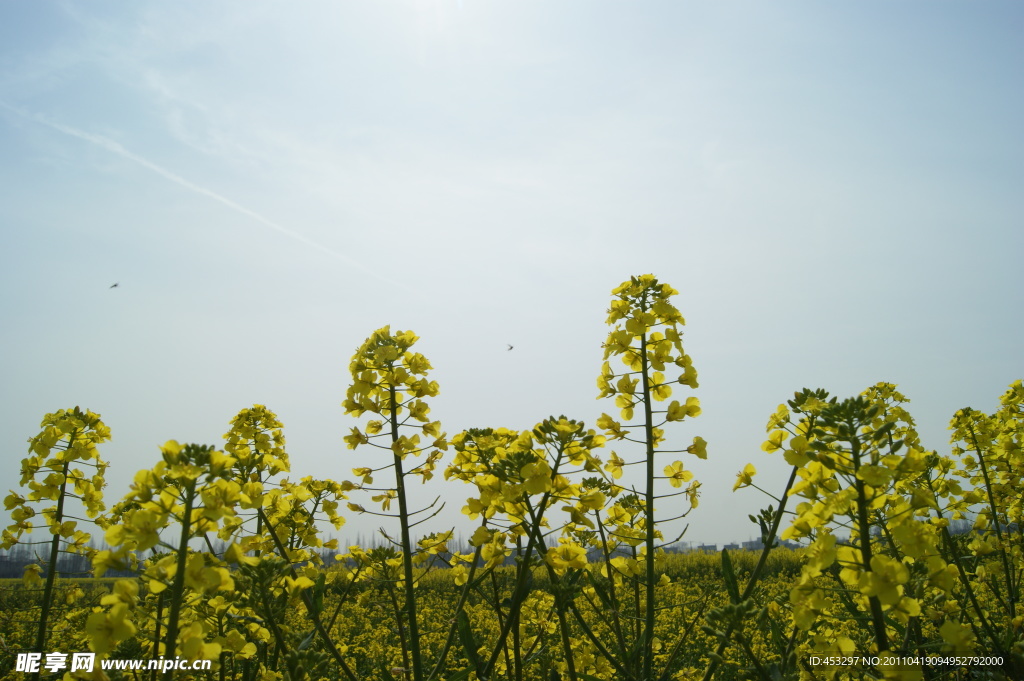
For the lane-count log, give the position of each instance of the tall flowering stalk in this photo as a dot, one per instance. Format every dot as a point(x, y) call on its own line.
point(52, 474)
point(858, 463)
point(390, 381)
point(647, 340)
point(190, 491)
point(520, 477)
point(256, 442)
point(861, 468)
point(991, 449)
point(286, 517)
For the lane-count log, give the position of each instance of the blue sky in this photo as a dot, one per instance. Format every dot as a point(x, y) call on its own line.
point(834, 188)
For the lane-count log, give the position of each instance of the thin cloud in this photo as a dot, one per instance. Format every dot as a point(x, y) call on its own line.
point(117, 148)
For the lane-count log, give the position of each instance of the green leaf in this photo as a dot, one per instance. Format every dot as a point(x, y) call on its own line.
point(319, 587)
point(468, 642)
point(633, 659)
point(536, 655)
point(776, 633)
point(460, 675)
point(730, 577)
point(602, 593)
point(309, 639)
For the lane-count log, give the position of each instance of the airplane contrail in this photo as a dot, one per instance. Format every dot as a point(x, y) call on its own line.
point(117, 148)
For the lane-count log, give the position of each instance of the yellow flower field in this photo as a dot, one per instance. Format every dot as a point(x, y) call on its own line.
point(567, 575)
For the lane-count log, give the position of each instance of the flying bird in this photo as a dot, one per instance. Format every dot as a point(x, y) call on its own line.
point(115, 284)
point(509, 348)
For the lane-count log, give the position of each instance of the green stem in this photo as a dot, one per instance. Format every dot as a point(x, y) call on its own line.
point(401, 626)
point(517, 644)
point(314, 614)
point(51, 566)
point(563, 621)
point(407, 549)
point(1011, 595)
point(178, 588)
point(519, 593)
point(745, 644)
point(156, 631)
point(954, 553)
point(500, 615)
point(613, 597)
point(558, 588)
point(619, 669)
point(649, 611)
point(453, 629)
point(864, 529)
point(755, 575)
point(678, 648)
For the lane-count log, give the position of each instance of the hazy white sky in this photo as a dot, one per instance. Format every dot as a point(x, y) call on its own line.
point(836, 189)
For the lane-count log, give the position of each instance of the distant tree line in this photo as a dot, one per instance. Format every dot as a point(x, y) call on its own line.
point(14, 560)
